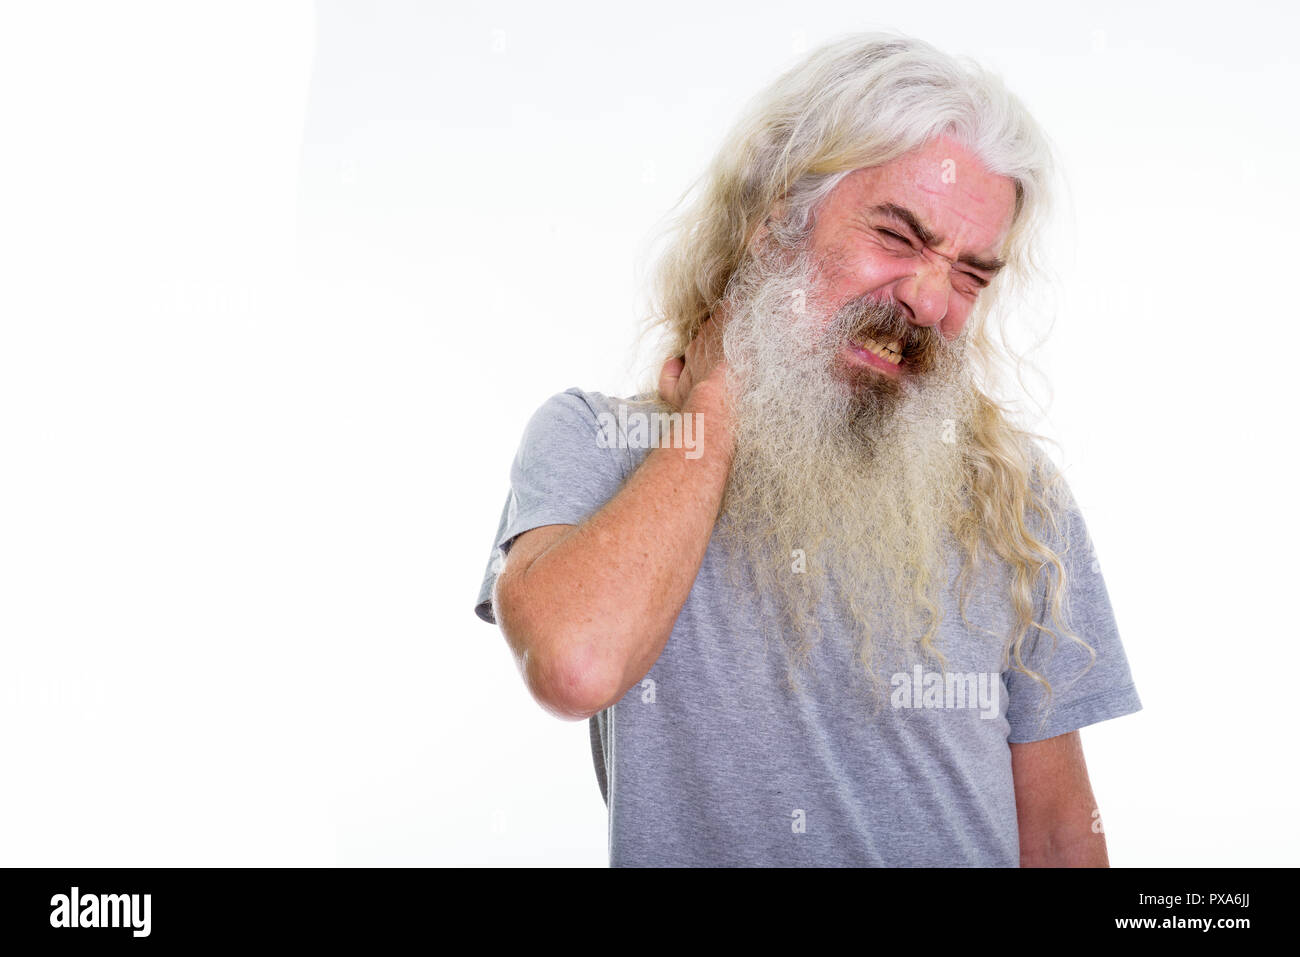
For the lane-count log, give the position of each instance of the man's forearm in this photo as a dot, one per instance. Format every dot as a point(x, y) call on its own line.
point(1055, 807)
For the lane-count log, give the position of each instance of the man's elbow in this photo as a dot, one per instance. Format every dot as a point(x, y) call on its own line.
point(568, 685)
point(558, 667)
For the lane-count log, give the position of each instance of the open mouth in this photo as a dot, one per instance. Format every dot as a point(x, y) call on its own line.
point(891, 352)
point(886, 359)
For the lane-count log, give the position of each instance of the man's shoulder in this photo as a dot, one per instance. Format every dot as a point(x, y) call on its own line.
point(589, 404)
point(600, 402)
point(582, 428)
point(1047, 479)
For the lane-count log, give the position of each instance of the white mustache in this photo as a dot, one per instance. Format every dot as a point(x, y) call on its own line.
point(885, 321)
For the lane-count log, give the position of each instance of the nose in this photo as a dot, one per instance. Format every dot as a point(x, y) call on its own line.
point(925, 294)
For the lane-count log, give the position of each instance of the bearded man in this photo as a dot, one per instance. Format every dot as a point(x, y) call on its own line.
point(832, 607)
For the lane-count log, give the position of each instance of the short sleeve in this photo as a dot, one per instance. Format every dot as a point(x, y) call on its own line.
point(561, 474)
point(1081, 694)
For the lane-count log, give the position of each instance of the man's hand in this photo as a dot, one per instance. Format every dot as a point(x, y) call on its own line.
point(702, 369)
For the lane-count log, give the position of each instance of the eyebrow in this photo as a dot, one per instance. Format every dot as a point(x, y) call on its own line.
point(928, 238)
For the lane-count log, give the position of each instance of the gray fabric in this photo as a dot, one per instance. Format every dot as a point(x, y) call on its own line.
point(713, 760)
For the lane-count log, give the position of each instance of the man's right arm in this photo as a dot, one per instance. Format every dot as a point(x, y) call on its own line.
point(588, 608)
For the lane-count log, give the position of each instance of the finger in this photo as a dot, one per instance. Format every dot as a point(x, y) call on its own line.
point(670, 377)
point(672, 370)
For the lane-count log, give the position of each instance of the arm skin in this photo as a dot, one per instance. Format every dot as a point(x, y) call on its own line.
point(1054, 805)
point(588, 608)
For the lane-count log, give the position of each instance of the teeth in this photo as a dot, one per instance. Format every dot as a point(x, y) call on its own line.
point(889, 353)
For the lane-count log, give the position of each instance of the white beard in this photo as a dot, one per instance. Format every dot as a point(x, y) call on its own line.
point(862, 476)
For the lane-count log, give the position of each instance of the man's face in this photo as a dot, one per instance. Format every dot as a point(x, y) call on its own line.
point(917, 237)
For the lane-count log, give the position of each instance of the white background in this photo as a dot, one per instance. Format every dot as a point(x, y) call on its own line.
point(281, 284)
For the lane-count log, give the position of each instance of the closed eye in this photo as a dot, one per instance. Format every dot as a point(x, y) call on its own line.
point(979, 281)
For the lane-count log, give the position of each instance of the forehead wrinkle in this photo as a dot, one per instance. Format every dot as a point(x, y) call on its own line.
point(965, 218)
point(973, 196)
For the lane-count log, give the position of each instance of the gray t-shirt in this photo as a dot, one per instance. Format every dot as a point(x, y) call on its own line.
point(714, 759)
